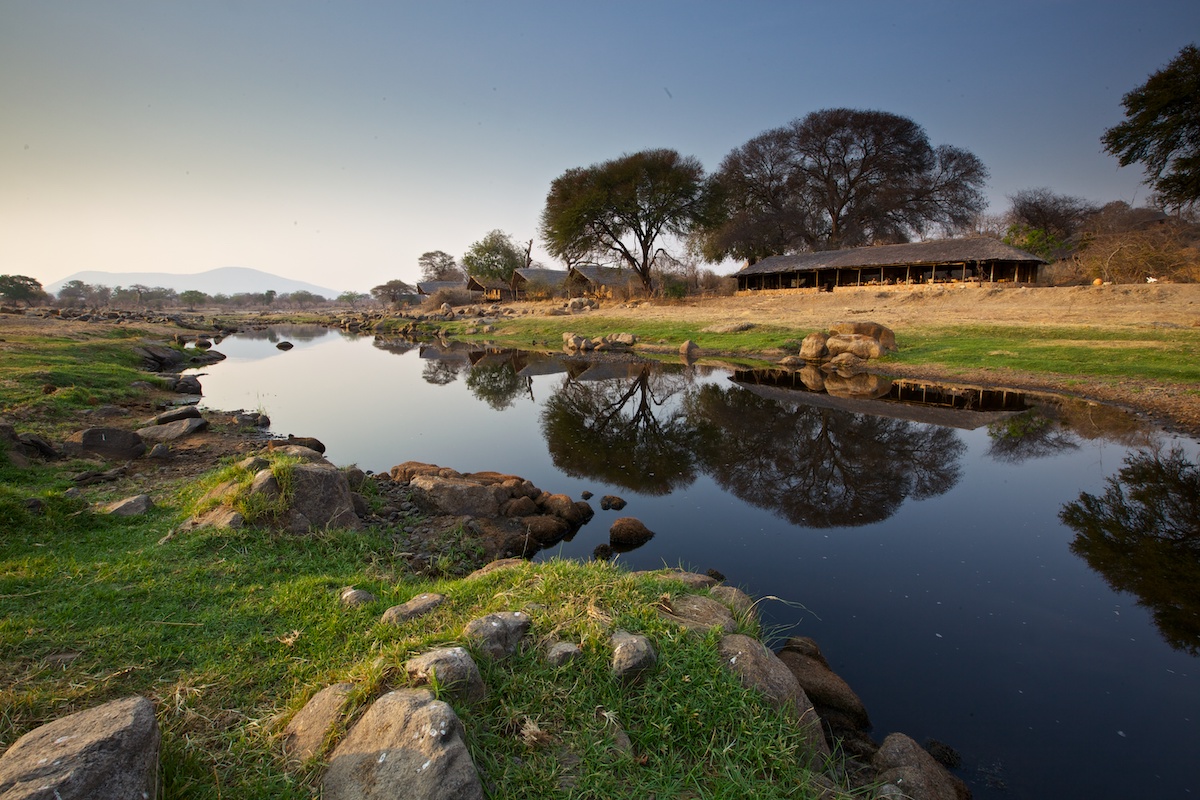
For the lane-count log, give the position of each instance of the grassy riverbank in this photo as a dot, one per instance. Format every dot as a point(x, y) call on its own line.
point(230, 632)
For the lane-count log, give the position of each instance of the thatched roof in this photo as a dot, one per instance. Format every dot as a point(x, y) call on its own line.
point(603, 276)
point(478, 284)
point(945, 251)
point(433, 287)
point(549, 277)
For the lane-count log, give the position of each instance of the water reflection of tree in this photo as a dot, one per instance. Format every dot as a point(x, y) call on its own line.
point(1143, 536)
point(623, 432)
point(441, 373)
point(819, 467)
point(1055, 424)
point(1028, 435)
point(496, 383)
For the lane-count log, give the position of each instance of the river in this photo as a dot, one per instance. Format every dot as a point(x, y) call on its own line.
point(943, 557)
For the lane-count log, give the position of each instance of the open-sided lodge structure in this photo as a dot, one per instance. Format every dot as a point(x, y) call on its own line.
point(984, 260)
point(590, 280)
point(538, 283)
point(492, 289)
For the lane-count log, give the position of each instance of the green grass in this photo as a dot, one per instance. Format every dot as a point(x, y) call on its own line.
point(47, 379)
point(1166, 355)
point(231, 631)
point(535, 331)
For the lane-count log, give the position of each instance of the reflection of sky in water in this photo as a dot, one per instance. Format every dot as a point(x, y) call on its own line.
point(963, 617)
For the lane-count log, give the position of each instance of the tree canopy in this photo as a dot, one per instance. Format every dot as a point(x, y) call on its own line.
point(840, 178)
point(618, 210)
point(494, 256)
point(438, 265)
point(20, 288)
point(392, 292)
point(1042, 222)
point(1161, 130)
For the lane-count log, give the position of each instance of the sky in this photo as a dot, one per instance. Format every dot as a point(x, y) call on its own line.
point(335, 142)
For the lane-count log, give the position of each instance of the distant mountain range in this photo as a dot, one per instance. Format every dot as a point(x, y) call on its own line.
point(226, 280)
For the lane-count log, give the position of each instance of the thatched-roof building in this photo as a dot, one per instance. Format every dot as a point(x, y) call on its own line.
point(591, 280)
point(433, 287)
point(495, 289)
point(538, 282)
point(985, 260)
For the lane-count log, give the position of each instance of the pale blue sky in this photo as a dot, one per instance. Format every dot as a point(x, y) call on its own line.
point(335, 142)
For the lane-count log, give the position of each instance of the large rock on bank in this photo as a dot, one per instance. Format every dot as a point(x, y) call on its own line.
point(105, 753)
point(407, 744)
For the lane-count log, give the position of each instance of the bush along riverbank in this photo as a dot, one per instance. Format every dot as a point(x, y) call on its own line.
point(230, 600)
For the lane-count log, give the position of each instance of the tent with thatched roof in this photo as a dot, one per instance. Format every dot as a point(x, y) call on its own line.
point(980, 259)
point(538, 282)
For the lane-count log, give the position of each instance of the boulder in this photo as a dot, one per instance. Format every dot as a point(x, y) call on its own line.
point(880, 333)
point(813, 347)
point(284, 346)
point(845, 363)
point(610, 501)
point(457, 496)
point(111, 443)
point(130, 506)
point(904, 764)
point(562, 506)
point(561, 653)
point(158, 357)
point(407, 744)
point(171, 431)
point(455, 672)
point(109, 752)
point(629, 532)
point(418, 606)
point(698, 613)
point(174, 415)
point(632, 656)
point(305, 733)
point(188, 384)
point(498, 636)
point(758, 668)
point(350, 597)
point(689, 350)
point(823, 686)
point(321, 493)
point(864, 347)
point(736, 600)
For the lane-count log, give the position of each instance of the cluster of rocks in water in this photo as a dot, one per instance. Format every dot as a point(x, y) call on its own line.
point(409, 743)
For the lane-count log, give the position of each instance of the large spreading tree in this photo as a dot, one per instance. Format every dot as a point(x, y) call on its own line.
point(1161, 130)
point(840, 178)
point(20, 289)
point(620, 210)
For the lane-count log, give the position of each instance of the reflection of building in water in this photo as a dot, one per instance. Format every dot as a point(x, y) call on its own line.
point(963, 407)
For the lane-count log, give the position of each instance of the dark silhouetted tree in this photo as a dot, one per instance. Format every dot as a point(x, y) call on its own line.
point(1161, 130)
point(1143, 536)
point(841, 178)
point(619, 210)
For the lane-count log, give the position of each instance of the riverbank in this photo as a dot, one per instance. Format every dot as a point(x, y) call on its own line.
point(230, 631)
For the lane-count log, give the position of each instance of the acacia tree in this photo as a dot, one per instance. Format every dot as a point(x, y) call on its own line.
point(438, 265)
point(494, 256)
point(1161, 130)
point(840, 178)
point(620, 209)
point(20, 289)
point(392, 293)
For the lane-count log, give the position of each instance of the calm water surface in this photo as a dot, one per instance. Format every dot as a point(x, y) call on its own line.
point(928, 561)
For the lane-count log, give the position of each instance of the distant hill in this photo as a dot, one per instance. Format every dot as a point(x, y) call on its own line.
point(226, 280)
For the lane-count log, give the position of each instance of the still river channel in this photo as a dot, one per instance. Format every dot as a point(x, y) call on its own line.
point(924, 548)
